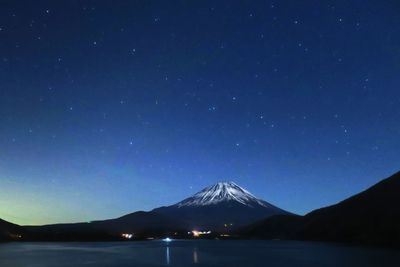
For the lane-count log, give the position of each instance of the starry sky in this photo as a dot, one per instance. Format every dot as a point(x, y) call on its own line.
point(108, 107)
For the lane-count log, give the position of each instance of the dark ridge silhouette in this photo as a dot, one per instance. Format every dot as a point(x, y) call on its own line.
point(372, 217)
point(10, 231)
point(275, 227)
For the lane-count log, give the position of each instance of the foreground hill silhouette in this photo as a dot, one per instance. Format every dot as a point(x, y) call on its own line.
point(372, 216)
point(10, 231)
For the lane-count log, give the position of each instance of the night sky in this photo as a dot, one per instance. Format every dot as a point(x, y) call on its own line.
point(108, 107)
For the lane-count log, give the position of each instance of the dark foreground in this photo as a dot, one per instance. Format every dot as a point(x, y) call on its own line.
point(194, 253)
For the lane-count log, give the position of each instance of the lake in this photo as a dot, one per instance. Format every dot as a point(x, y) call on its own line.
point(194, 253)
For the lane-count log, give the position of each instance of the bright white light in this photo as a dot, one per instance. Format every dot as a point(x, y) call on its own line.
point(167, 239)
point(127, 236)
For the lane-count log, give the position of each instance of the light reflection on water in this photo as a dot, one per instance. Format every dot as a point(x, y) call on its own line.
point(195, 256)
point(205, 253)
point(167, 255)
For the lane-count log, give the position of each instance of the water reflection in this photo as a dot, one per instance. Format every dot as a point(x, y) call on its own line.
point(195, 253)
point(167, 256)
point(195, 256)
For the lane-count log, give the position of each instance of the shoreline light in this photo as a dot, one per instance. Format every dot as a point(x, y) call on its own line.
point(127, 236)
point(196, 233)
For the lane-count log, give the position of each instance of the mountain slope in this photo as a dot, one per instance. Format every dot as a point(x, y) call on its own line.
point(141, 223)
point(372, 216)
point(10, 231)
point(222, 205)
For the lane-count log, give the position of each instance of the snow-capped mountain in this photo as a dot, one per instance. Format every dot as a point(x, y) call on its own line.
point(221, 207)
point(221, 204)
point(222, 192)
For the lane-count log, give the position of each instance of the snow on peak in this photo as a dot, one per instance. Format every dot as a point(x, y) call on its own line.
point(222, 192)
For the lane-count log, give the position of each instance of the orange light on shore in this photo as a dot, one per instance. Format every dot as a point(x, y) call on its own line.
point(195, 233)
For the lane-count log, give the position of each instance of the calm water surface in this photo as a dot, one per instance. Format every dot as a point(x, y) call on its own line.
point(194, 253)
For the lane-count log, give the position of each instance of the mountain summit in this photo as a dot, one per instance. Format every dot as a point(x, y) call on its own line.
point(221, 204)
point(222, 192)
